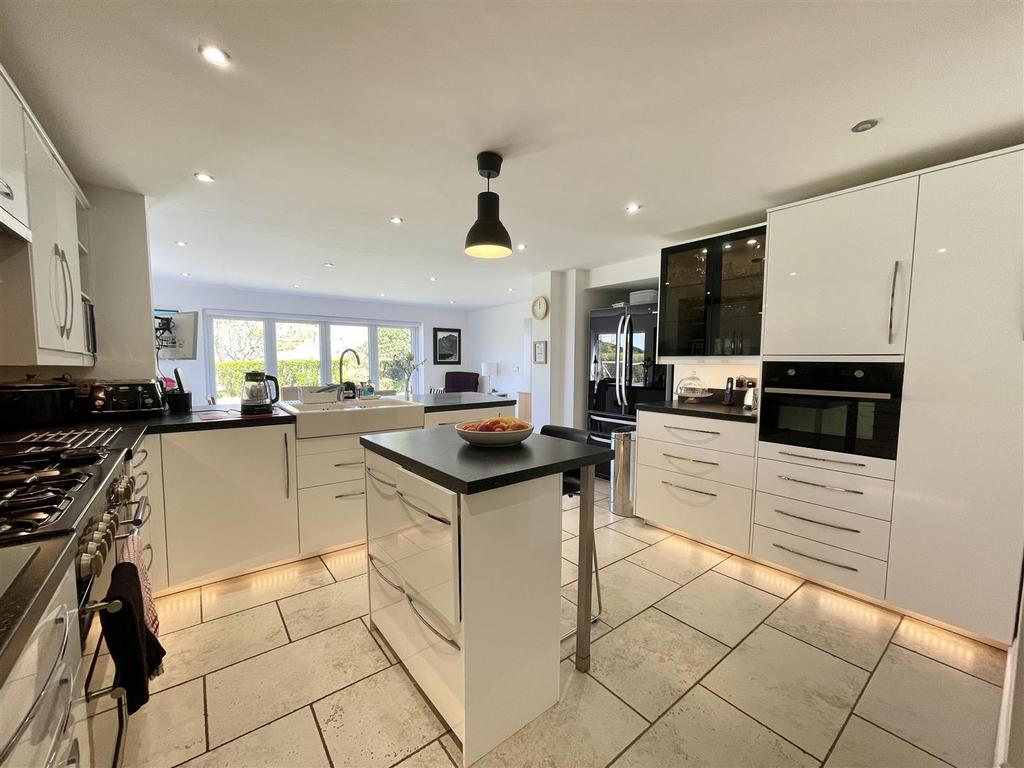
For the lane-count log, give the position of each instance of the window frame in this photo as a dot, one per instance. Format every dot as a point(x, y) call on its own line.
point(327, 363)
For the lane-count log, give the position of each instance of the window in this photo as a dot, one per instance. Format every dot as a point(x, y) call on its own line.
point(304, 352)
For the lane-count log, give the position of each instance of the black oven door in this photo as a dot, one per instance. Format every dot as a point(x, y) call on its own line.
point(850, 408)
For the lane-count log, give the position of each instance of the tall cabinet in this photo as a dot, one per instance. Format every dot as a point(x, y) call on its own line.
point(957, 532)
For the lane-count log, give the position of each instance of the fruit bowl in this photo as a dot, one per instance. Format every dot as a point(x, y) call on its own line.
point(482, 433)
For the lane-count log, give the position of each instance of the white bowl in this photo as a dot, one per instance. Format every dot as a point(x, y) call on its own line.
point(492, 439)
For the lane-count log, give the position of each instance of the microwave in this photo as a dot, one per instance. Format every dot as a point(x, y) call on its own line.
point(845, 407)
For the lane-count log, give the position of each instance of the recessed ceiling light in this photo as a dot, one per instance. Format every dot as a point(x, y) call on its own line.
point(941, 250)
point(204, 177)
point(396, 219)
point(295, 285)
point(328, 264)
point(521, 247)
point(511, 290)
point(214, 55)
point(633, 208)
point(382, 295)
point(864, 125)
point(792, 274)
point(180, 243)
point(727, 246)
point(451, 301)
point(433, 279)
point(751, 241)
point(186, 274)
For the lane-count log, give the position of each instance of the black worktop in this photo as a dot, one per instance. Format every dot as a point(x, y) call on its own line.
point(704, 409)
point(441, 456)
point(212, 417)
point(460, 401)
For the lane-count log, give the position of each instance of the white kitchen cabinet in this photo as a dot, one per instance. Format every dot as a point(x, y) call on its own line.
point(450, 418)
point(838, 270)
point(332, 516)
point(67, 238)
point(957, 535)
point(147, 468)
point(13, 185)
point(49, 278)
point(230, 500)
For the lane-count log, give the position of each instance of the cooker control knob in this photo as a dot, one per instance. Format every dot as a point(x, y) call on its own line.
point(98, 404)
point(89, 566)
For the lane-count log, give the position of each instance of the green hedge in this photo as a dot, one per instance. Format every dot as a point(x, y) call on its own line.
point(290, 373)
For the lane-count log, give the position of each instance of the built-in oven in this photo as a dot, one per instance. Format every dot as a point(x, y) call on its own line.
point(849, 407)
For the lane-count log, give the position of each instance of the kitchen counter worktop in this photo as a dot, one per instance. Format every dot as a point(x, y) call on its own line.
point(207, 417)
point(441, 456)
point(458, 401)
point(706, 410)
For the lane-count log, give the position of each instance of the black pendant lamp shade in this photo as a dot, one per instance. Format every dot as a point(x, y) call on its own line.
point(488, 238)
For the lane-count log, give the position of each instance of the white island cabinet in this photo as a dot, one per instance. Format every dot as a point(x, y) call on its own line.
point(230, 500)
point(464, 552)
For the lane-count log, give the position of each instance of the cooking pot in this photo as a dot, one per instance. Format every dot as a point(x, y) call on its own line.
point(36, 403)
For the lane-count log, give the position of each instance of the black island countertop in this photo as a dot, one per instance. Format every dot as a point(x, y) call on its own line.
point(441, 456)
point(460, 401)
point(705, 410)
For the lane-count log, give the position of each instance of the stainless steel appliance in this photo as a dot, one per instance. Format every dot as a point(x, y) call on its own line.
point(850, 407)
point(256, 397)
point(139, 396)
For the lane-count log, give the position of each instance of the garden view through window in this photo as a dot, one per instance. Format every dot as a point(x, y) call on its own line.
point(305, 353)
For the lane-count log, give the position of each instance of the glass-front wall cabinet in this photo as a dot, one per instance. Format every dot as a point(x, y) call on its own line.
point(711, 296)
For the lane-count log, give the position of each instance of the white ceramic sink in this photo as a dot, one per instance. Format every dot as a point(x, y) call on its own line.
point(347, 417)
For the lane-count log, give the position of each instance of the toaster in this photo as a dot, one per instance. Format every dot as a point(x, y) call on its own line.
point(124, 396)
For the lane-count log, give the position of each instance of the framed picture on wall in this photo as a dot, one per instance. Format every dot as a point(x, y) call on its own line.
point(447, 346)
point(540, 353)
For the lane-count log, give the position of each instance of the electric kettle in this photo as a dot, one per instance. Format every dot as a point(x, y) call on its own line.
point(256, 397)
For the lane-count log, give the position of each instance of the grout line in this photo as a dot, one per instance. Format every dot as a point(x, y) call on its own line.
point(446, 752)
point(613, 693)
point(206, 717)
point(760, 589)
point(939, 661)
point(418, 750)
point(323, 741)
point(321, 558)
point(897, 736)
point(690, 626)
point(283, 622)
point(282, 597)
point(853, 664)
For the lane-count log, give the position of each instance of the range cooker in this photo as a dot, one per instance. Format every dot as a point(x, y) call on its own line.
point(72, 485)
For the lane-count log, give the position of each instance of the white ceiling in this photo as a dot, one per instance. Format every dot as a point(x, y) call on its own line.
point(335, 116)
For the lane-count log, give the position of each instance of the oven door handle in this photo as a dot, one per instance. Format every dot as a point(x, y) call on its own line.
point(606, 420)
point(828, 393)
point(820, 485)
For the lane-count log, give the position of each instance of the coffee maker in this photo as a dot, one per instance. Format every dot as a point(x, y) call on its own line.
point(256, 397)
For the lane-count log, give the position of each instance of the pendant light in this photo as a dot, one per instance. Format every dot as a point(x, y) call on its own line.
point(488, 238)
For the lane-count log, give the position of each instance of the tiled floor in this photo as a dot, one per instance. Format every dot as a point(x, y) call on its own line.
point(700, 659)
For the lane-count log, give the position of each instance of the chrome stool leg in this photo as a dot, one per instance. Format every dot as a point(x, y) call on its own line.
point(597, 583)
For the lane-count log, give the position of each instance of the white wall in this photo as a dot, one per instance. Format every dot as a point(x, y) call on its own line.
point(186, 295)
point(495, 335)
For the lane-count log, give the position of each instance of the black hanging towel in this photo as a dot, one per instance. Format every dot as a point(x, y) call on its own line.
point(135, 650)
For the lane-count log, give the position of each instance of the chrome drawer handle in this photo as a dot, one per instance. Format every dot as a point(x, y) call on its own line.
point(350, 464)
point(816, 559)
point(428, 625)
point(142, 455)
point(144, 476)
point(379, 572)
point(350, 495)
point(818, 458)
point(684, 488)
point(817, 522)
point(693, 461)
point(820, 485)
point(6, 190)
point(892, 295)
point(421, 510)
point(850, 395)
point(690, 429)
point(380, 479)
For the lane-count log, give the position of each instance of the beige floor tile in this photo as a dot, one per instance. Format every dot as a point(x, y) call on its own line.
point(863, 745)
point(798, 691)
point(569, 572)
point(939, 709)
point(452, 747)
point(602, 517)
point(849, 628)
point(570, 502)
point(384, 646)
point(679, 559)
point(703, 730)
point(376, 722)
point(638, 529)
point(587, 727)
point(254, 692)
point(719, 606)
point(958, 651)
point(292, 741)
point(431, 756)
point(566, 535)
point(168, 730)
point(760, 576)
point(568, 622)
point(626, 589)
point(224, 597)
point(212, 645)
point(325, 607)
point(178, 611)
point(346, 563)
point(652, 659)
point(611, 546)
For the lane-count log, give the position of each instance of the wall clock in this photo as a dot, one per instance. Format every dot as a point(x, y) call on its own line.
point(540, 307)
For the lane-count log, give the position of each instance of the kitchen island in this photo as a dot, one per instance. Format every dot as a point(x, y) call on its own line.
point(464, 550)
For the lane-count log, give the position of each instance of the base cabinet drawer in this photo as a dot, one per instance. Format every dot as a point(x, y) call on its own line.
point(857, 533)
point(332, 516)
point(449, 418)
point(719, 466)
point(712, 511)
point(716, 434)
point(854, 493)
point(333, 467)
point(821, 561)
